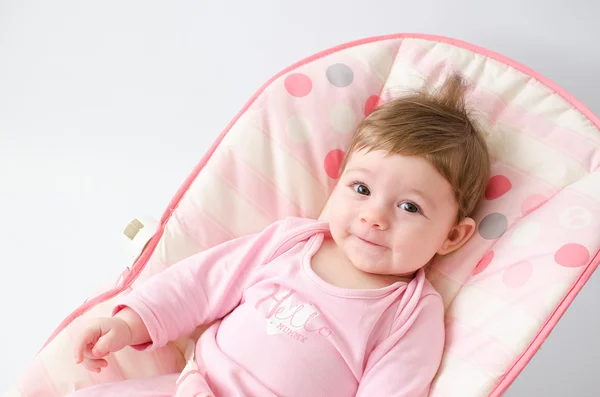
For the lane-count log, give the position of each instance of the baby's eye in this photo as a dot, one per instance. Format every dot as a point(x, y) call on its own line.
point(361, 189)
point(409, 207)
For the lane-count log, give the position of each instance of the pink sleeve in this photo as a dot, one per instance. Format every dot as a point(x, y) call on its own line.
point(201, 288)
point(405, 363)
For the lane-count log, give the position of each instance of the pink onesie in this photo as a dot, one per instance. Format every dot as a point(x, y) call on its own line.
point(286, 332)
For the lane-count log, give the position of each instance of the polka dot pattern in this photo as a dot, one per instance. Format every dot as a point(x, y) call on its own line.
point(371, 104)
point(518, 274)
point(333, 162)
point(337, 120)
point(340, 75)
point(484, 263)
point(298, 85)
point(298, 129)
point(497, 186)
point(342, 118)
point(575, 217)
point(493, 226)
point(572, 255)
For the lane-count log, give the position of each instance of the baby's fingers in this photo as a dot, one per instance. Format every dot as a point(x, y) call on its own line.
point(89, 352)
point(89, 336)
point(94, 364)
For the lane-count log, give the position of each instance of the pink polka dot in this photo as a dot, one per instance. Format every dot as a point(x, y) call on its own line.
point(298, 84)
point(517, 275)
point(531, 203)
point(497, 186)
point(333, 163)
point(371, 104)
point(483, 263)
point(572, 255)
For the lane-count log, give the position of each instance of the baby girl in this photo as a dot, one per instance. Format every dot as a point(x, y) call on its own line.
point(311, 308)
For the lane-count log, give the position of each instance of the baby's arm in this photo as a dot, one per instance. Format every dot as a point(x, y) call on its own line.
point(405, 363)
point(139, 332)
point(197, 290)
point(203, 287)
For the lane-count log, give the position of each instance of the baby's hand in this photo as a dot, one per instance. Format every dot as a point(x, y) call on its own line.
point(100, 337)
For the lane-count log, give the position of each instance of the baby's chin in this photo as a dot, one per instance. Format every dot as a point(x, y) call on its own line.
point(377, 263)
point(368, 263)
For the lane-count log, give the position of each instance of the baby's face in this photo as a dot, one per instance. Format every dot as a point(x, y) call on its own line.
point(390, 214)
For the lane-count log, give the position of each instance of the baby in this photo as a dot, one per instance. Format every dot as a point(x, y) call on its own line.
point(310, 308)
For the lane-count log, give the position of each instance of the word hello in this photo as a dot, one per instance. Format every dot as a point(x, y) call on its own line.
point(291, 318)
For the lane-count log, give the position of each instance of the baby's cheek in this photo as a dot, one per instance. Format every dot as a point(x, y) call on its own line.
point(338, 212)
point(410, 250)
point(339, 228)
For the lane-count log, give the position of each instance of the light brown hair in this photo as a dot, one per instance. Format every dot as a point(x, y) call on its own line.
point(438, 127)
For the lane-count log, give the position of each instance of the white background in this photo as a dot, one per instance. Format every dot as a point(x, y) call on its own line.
point(106, 106)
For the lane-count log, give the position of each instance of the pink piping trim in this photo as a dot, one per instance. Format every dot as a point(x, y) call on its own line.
point(546, 329)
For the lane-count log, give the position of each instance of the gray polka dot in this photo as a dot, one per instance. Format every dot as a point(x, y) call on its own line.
point(340, 75)
point(493, 226)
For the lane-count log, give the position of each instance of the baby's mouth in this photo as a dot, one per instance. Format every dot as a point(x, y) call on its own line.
point(369, 242)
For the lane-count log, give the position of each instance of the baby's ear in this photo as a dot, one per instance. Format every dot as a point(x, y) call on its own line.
point(458, 236)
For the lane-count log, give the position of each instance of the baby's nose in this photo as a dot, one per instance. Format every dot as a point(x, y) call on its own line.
point(375, 217)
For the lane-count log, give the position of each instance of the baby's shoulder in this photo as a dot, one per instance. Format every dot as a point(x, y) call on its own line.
point(289, 231)
point(430, 291)
point(421, 299)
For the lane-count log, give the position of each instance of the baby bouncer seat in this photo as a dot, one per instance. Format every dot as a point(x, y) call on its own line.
point(538, 234)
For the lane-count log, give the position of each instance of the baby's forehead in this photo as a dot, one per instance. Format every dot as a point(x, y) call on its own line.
point(381, 160)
